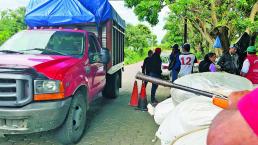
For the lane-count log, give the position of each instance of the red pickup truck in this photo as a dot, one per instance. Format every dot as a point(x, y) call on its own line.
point(49, 75)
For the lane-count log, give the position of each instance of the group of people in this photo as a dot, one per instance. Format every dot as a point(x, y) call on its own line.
point(229, 62)
point(181, 64)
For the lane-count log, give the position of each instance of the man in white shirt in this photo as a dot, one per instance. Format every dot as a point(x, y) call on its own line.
point(187, 61)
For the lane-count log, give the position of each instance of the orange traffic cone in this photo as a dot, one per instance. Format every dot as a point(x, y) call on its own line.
point(134, 97)
point(142, 103)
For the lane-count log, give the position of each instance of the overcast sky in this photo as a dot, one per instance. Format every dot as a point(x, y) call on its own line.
point(123, 11)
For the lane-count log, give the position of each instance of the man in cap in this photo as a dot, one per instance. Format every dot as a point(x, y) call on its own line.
point(250, 65)
point(187, 61)
point(155, 71)
point(229, 61)
point(174, 62)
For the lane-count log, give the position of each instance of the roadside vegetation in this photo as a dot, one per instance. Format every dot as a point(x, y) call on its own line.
point(11, 21)
point(138, 41)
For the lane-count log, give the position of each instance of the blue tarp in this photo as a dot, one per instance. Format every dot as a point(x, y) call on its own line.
point(101, 9)
point(66, 12)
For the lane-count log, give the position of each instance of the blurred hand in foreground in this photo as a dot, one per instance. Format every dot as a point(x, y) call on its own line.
point(234, 97)
point(229, 127)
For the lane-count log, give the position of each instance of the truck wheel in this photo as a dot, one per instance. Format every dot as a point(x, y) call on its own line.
point(111, 90)
point(73, 128)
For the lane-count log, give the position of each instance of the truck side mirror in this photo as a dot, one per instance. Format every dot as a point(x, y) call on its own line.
point(105, 55)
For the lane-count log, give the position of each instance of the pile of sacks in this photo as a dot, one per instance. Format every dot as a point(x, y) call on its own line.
point(184, 118)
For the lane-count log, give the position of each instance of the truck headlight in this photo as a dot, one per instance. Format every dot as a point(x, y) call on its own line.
point(46, 86)
point(48, 90)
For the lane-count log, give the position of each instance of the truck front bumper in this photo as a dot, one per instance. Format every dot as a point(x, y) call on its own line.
point(34, 117)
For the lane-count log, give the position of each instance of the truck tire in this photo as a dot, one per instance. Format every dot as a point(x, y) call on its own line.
point(73, 128)
point(111, 90)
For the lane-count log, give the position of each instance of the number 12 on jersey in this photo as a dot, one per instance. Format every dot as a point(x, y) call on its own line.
point(186, 60)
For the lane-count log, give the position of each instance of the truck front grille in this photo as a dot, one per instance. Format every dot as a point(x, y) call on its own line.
point(15, 90)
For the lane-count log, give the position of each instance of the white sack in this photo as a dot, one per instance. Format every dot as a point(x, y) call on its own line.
point(218, 82)
point(162, 109)
point(198, 137)
point(189, 115)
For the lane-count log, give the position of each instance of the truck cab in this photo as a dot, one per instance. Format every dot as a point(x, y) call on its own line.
point(41, 70)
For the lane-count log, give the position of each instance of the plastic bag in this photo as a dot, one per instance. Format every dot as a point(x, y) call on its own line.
point(217, 43)
point(162, 109)
point(189, 115)
point(197, 137)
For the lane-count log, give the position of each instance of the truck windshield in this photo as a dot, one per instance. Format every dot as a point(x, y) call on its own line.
point(45, 42)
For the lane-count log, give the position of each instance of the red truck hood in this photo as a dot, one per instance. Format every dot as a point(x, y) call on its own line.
point(50, 66)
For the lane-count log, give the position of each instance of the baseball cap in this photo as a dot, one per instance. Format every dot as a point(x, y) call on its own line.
point(233, 46)
point(186, 45)
point(251, 49)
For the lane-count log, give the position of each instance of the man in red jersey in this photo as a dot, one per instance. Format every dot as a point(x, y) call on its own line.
point(250, 66)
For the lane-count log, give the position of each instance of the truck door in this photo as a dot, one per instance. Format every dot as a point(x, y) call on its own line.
point(99, 73)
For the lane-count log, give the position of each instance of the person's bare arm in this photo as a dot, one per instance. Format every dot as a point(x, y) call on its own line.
point(230, 128)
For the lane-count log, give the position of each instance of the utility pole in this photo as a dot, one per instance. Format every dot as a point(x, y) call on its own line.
point(152, 37)
point(185, 26)
point(185, 31)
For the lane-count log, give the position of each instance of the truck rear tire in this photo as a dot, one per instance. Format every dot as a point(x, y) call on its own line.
point(73, 128)
point(111, 90)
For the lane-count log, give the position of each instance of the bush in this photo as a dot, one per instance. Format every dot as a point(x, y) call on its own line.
point(199, 55)
point(132, 56)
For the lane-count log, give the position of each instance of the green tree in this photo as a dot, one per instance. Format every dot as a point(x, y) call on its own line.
point(139, 37)
point(174, 32)
point(138, 40)
point(11, 21)
point(147, 10)
point(226, 16)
